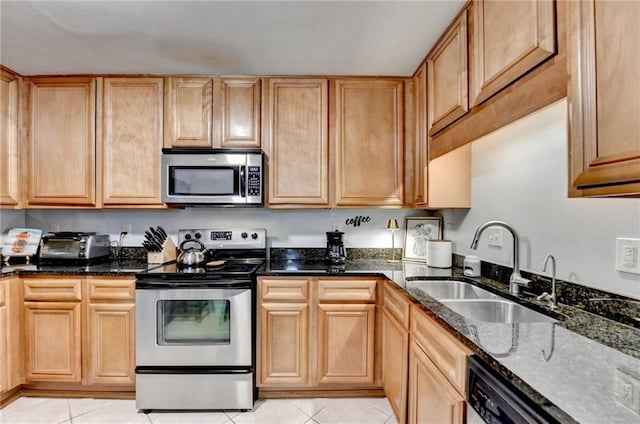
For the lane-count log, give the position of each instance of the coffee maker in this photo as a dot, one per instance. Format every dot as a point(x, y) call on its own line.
point(335, 253)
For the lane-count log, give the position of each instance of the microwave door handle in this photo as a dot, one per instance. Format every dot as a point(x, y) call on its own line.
point(243, 187)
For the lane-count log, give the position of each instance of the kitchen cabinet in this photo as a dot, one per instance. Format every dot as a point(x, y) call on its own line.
point(444, 182)
point(447, 67)
point(111, 331)
point(437, 372)
point(284, 332)
point(9, 134)
point(604, 98)
point(368, 125)
point(239, 112)
point(296, 142)
point(502, 50)
point(317, 334)
point(53, 329)
point(395, 350)
point(188, 112)
point(62, 141)
point(132, 121)
point(11, 337)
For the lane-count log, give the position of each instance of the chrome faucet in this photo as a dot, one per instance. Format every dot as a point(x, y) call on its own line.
point(546, 297)
point(516, 280)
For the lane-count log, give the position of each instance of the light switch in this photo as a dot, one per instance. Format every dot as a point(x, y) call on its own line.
point(627, 255)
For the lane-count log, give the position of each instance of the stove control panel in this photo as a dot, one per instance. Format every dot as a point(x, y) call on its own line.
point(237, 238)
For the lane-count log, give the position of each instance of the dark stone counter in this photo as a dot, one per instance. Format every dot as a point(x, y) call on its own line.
point(113, 268)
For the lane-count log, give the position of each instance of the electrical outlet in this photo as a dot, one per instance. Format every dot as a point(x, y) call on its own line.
point(125, 228)
point(495, 236)
point(628, 255)
point(627, 389)
point(336, 226)
point(55, 228)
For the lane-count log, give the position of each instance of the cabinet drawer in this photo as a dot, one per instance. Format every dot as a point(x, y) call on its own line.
point(108, 289)
point(289, 289)
point(449, 355)
point(396, 304)
point(347, 290)
point(52, 289)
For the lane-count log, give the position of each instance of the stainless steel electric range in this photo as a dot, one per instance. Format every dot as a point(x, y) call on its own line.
point(195, 326)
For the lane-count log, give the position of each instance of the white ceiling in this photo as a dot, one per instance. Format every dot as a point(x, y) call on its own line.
point(220, 37)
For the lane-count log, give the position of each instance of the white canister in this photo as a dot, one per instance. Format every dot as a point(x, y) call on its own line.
point(439, 253)
point(471, 266)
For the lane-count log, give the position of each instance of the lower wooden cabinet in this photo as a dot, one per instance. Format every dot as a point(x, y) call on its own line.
point(317, 333)
point(11, 336)
point(395, 361)
point(80, 331)
point(432, 399)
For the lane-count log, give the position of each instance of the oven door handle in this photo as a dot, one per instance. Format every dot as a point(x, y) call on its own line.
point(243, 184)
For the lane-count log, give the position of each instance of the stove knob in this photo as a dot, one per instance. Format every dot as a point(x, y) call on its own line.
point(254, 236)
point(198, 235)
point(243, 235)
point(187, 236)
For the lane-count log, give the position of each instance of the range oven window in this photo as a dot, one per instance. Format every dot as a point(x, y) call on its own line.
point(203, 181)
point(188, 322)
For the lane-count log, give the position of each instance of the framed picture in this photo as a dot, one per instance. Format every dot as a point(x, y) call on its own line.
point(417, 230)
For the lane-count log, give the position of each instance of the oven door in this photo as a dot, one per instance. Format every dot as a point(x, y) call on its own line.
point(193, 327)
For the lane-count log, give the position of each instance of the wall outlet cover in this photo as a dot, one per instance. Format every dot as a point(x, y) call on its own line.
point(628, 255)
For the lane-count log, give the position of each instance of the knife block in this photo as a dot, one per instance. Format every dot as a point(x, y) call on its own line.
point(167, 254)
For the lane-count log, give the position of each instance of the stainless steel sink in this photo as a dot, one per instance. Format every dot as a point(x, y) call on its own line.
point(495, 311)
point(451, 289)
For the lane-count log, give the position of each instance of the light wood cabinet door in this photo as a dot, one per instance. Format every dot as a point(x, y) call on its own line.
point(346, 343)
point(395, 363)
point(239, 112)
point(604, 97)
point(11, 334)
point(62, 141)
point(420, 154)
point(369, 144)
point(508, 40)
point(53, 348)
point(9, 130)
point(4, 353)
point(132, 141)
point(188, 112)
point(447, 66)
point(432, 400)
point(284, 345)
point(297, 142)
point(111, 343)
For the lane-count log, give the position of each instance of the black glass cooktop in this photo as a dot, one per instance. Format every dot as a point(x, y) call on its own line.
point(216, 268)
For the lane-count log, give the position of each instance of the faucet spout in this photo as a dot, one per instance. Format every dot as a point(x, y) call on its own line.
point(516, 280)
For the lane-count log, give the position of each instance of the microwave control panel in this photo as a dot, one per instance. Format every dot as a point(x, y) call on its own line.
point(253, 181)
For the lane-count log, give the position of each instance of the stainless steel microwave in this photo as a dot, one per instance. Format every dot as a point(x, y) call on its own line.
point(217, 177)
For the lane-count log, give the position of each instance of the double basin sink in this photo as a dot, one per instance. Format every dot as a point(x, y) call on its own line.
point(477, 304)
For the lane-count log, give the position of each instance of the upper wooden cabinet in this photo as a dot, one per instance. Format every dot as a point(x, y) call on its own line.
point(9, 133)
point(604, 98)
point(297, 142)
point(446, 181)
point(239, 112)
point(447, 66)
point(209, 113)
point(368, 126)
point(62, 141)
point(132, 141)
point(188, 112)
point(508, 40)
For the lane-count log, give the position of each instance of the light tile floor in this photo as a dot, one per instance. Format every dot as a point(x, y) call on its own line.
point(272, 411)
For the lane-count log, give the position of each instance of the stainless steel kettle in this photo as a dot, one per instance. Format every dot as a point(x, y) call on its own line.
point(192, 256)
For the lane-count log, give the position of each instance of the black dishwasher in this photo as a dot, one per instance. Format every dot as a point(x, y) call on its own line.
point(492, 399)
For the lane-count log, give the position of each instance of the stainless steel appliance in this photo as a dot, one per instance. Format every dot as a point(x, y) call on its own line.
point(72, 246)
point(195, 325)
point(335, 253)
point(212, 177)
point(492, 399)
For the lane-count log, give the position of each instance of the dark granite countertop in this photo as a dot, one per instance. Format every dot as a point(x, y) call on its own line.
point(572, 368)
point(114, 268)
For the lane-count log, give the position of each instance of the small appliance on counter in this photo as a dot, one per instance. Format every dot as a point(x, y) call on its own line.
point(20, 245)
point(335, 253)
point(439, 254)
point(74, 247)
